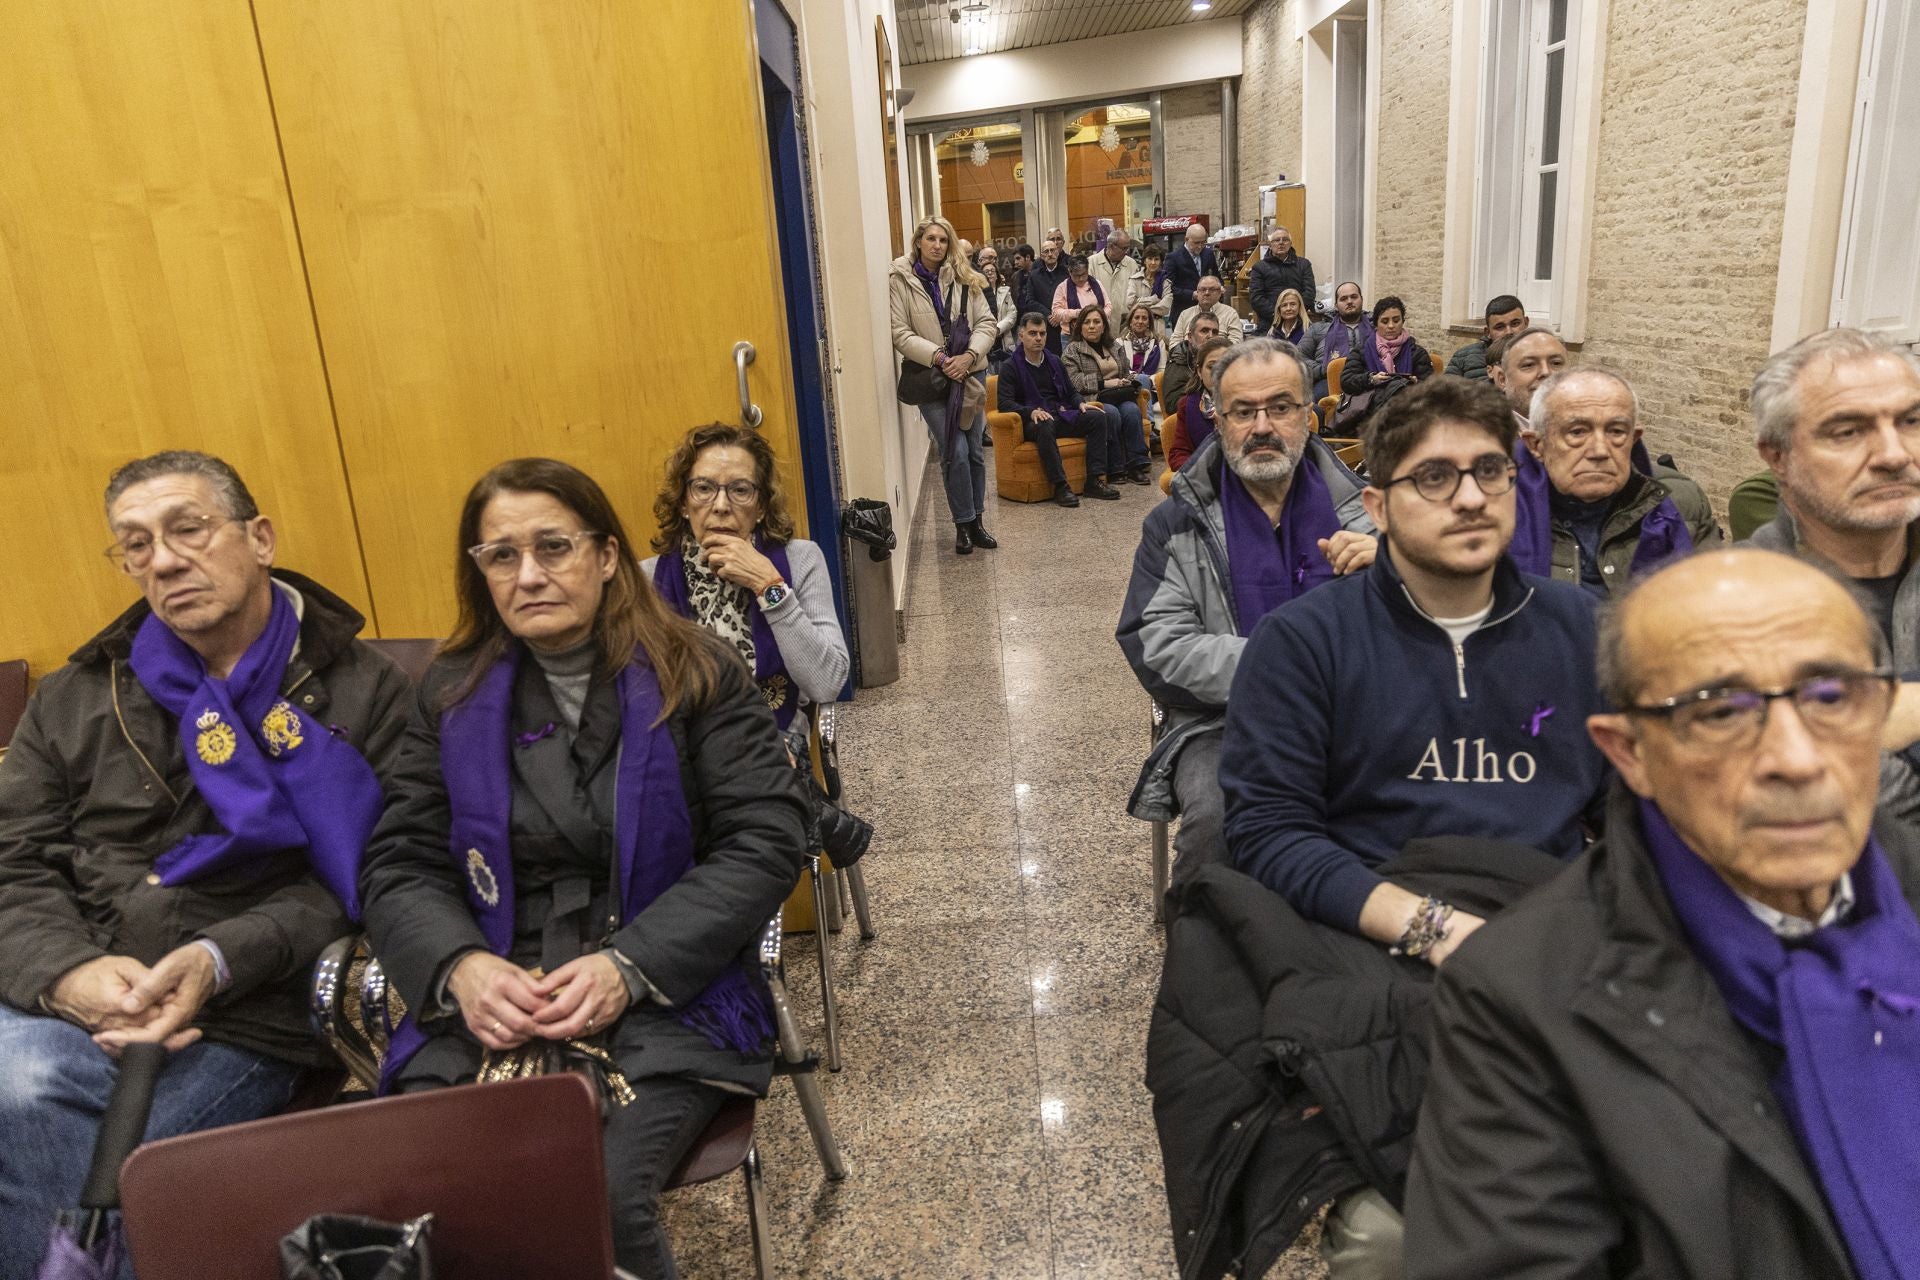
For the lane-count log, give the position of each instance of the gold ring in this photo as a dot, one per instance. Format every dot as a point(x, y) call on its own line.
point(497, 1028)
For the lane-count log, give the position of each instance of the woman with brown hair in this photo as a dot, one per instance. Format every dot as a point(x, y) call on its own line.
point(593, 821)
point(1094, 363)
point(729, 561)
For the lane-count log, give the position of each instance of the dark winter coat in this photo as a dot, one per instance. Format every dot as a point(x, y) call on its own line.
point(1287, 1059)
point(96, 786)
point(1594, 1109)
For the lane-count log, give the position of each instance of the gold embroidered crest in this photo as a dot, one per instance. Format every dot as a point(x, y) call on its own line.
point(216, 740)
point(482, 877)
point(774, 689)
point(281, 729)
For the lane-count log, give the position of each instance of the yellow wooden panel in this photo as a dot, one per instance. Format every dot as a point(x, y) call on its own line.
point(151, 297)
point(532, 227)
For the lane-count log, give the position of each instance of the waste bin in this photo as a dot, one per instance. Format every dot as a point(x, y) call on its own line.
point(868, 523)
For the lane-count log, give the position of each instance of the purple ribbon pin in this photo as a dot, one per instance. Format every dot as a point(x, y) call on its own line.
point(544, 731)
point(1541, 714)
point(1300, 574)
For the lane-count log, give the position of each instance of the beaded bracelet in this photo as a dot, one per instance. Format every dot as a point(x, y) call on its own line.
point(1426, 930)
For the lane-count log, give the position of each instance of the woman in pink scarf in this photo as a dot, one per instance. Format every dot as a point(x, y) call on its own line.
point(1392, 353)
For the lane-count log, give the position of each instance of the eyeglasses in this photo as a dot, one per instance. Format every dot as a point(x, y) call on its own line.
point(553, 552)
point(1438, 481)
point(1245, 415)
point(1830, 706)
point(188, 535)
point(739, 492)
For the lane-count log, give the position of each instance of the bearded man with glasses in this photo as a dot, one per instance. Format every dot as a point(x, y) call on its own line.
point(183, 815)
point(1404, 753)
point(1694, 1053)
point(1261, 512)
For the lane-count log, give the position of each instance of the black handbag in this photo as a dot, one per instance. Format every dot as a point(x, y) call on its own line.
point(922, 383)
point(339, 1246)
point(1119, 395)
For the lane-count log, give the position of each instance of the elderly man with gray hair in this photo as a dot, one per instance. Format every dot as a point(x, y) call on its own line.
point(183, 814)
point(1692, 1054)
point(1837, 419)
point(1587, 513)
point(1118, 275)
point(1206, 302)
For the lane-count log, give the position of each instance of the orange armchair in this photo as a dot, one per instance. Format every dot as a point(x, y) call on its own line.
point(1017, 474)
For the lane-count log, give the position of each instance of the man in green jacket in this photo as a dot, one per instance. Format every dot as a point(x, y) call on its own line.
point(182, 814)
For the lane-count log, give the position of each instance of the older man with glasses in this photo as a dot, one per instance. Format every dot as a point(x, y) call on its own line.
point(182, 818)
point(1262, 512)
point(1440, 693)
point(1694, 1053)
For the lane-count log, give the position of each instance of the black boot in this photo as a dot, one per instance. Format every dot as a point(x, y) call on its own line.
point(1063, 495)
point(962, 545)
point(1096, 488)
point(981, 538)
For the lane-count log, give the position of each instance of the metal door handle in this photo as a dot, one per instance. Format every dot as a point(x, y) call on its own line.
point(750, 414)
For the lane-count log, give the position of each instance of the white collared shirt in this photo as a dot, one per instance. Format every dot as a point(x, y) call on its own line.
point(1792, 928)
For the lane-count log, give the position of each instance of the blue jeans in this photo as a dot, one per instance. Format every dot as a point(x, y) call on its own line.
point(1132, 436)
point(54, 1085)
point(963, 466)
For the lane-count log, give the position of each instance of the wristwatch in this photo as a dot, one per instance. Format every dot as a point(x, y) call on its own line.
point(773, 595)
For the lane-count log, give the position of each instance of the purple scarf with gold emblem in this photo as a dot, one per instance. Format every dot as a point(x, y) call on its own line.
point(276, 780)
point(769, 668)
point(652, 838)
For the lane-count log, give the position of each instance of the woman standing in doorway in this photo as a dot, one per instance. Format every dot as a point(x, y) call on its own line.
point(942, 321)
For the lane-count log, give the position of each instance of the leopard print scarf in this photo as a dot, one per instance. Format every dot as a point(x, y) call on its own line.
point(718, 605)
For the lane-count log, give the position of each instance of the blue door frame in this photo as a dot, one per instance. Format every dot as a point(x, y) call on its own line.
point(819, 452)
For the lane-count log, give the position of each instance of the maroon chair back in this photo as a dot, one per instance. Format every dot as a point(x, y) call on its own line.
point(513, 1174)
point(411, 656)
point(13, 697)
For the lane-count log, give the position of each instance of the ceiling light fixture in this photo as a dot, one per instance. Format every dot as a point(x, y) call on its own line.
point(1201, 6)
point(977, 6)
point(971, 50)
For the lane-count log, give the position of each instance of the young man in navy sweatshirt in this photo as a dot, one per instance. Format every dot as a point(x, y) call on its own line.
point(1439, 692)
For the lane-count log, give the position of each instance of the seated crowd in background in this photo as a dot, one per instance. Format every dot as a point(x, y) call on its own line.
point(1409, 749)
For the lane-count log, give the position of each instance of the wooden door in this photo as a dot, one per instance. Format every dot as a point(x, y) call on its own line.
point(151, 297)
point(531, 227)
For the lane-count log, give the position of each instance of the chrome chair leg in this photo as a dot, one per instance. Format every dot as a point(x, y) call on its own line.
point(835, 918)
point(844, 898)
point(1161, 872)
point(829, 1005)
point(759, 1220)
point(856, 878)
point(813, 1108)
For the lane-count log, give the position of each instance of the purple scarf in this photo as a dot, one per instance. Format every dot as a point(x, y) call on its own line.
point(1663, 531)
point(1146, 359)
point(1349, 342)
point(1844, 1007)
point(1199, 426)
point(653, 839)
point(1270, 566)
point(1369, 353)
point(275, 779)
point(1073, 294)
point(769, 668)
point(958, 333)
point(1062, 403)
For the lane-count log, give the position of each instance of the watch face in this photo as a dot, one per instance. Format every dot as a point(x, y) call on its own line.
point(773, 595)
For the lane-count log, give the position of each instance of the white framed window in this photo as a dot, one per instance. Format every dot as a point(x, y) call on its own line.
point(1528, 64)
point(1877, 267)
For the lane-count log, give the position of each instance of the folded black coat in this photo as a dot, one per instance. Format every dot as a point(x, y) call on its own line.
point(1287, 1059)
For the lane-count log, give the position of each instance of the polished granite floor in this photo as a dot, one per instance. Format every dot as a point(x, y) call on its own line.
point(991, 1106)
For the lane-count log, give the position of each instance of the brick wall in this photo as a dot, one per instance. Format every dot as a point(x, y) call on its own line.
point(1696, 122)
point(1190, 122)
point(1269, 100)
point(1410, 194)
